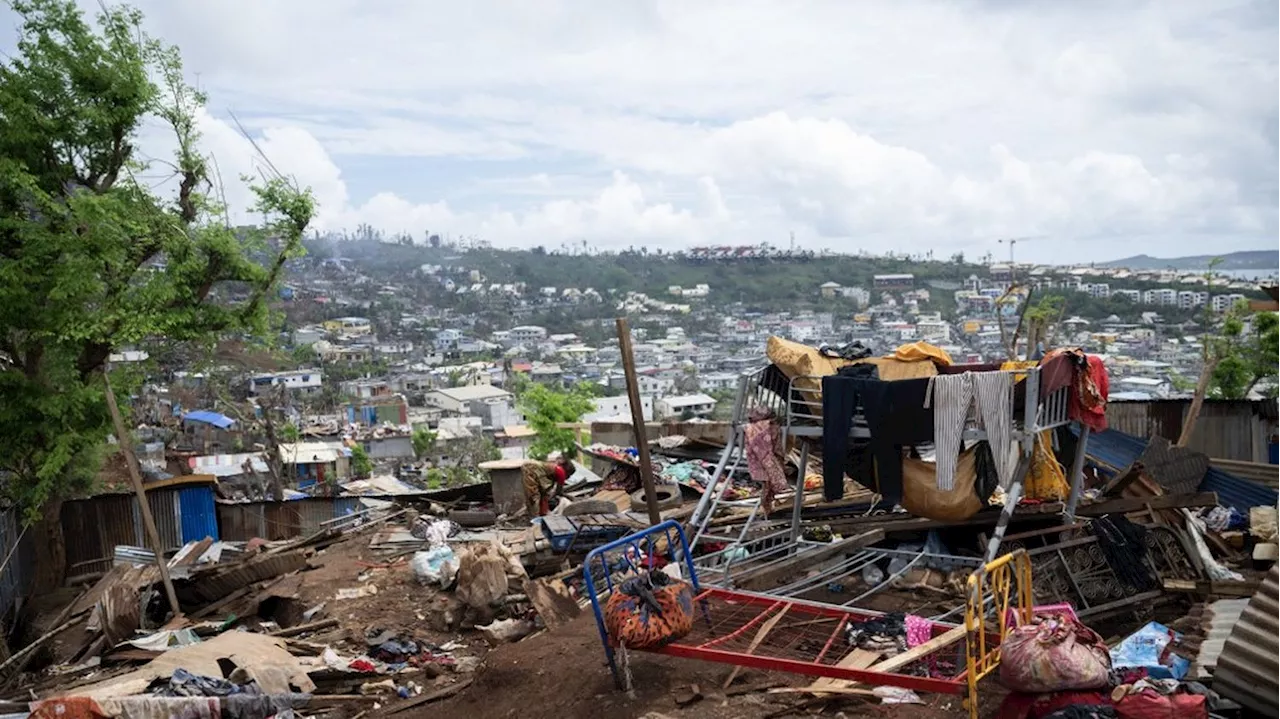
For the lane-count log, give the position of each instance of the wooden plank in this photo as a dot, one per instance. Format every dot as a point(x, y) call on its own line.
point(761, 577)
point(942, 641)
point(1137, 504)
point(551, 599)
point(765, 628)
point(856, 659)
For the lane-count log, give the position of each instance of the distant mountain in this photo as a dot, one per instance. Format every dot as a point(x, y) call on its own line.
point(1249, 260)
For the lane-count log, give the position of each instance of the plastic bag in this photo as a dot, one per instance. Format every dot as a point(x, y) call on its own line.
point(649, 611)
point(1148, 648)
point(435, 566)
point(1054, 653)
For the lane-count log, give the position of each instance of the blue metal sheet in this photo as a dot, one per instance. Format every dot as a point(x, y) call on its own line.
point(1112, 451)
point(1236, 492)
point(199, 515)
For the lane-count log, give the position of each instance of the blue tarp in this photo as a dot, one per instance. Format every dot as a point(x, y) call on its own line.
point(1113, 451)
point(221, 421)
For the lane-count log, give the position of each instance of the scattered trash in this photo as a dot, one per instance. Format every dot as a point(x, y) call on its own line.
point(356, 592)
point(897, 695)
point(506, 630)
point(1150, 649)
point(436, 566)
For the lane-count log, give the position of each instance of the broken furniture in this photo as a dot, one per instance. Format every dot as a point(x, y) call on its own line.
point(748, 629)
point(797, 404)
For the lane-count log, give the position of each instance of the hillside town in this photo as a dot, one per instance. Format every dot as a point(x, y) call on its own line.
point(258, 466)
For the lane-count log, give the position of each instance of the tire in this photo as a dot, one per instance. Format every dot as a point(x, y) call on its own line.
point(667, 496)
point(474, 517)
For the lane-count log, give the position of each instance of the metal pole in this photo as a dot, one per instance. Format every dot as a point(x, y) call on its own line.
point(637, 420)
point(1077, 473)
point(135, 475)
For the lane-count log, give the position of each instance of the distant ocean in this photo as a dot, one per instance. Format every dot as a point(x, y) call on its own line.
point(1247, 274)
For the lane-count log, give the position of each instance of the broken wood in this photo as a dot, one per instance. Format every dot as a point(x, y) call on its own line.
point(304, 628)
point(856, 659)
point(552, 601)
point(209, 610)
point(765, 628)
point(441, 693)
point(20, 657)
point(898, 661)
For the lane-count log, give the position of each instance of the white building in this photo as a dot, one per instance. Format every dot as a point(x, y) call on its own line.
point(933, 331)
point(1222, 303)
point(716, 381)
point(457, 400)
point(618, 408)
point(304, 382)
point(1134, 296)
point(1189, 299)
point(528, 333)
point(690, 405)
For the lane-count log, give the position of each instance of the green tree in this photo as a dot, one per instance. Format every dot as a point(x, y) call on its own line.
point(1249, 353)
point(93, 258)
point(424, 442)
point(546, 409)
point(361, 464)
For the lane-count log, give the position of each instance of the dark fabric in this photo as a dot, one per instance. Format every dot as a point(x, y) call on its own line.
point(895, 415)
point(988, 477)
point(1124, 546)
point(962, 368)
point(839, 399)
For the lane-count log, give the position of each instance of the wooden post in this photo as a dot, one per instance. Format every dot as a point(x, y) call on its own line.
point(637, 420)
point(135, 475)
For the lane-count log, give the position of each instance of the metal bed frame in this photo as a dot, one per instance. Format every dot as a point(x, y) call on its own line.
point(730, 626)
point(800, 416)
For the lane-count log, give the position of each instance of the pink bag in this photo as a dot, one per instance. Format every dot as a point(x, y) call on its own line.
point(1054, 653)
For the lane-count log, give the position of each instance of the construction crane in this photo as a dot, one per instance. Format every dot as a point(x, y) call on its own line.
point(1012, 242)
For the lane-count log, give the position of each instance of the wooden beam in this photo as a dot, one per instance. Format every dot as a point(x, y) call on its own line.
point(135, 476)
point(761, 577)
point(898, 661)
point(637, 420)
point(856, 659)
point(1137, 504)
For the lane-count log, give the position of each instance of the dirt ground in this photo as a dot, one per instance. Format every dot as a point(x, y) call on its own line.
point(563, 675)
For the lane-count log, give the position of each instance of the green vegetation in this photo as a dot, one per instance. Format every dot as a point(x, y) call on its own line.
point(94, 258)
point(424, 442)
point(361, 464)
point(1248, 354)
point(546, 409)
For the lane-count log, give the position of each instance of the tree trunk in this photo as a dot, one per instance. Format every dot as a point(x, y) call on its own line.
point(1197, 401)
point(50, 548)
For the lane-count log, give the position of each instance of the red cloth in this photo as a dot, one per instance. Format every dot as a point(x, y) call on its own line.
point(1019, 705)
point(1089, 396)
point(1149, 704)
point(560, 475)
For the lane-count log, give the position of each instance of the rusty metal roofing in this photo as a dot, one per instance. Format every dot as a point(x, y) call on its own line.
point(1250, 659)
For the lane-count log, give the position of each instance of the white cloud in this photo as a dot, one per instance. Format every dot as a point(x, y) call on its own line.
point(877, 125)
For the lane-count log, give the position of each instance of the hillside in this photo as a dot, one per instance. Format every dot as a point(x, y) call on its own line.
point(772, 282)
point(1262, 260)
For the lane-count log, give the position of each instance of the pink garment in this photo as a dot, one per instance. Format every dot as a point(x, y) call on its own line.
point(764, 457)
point(919, 630)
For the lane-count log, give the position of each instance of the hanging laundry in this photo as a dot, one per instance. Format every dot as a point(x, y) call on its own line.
point(952, 397)
point(764, 455)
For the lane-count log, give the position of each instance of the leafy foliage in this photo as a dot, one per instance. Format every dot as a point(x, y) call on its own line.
point(424, 442)
point(361, 464)
point(91, 257)
point(1249, 353)
point(545, 409)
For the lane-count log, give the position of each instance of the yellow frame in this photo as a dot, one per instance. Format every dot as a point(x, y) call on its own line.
point(1009, 580)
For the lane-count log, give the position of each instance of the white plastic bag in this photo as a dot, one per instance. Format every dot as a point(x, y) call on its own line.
point(435, 566)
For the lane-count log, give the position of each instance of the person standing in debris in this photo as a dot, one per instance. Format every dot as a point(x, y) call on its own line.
point(544, 481)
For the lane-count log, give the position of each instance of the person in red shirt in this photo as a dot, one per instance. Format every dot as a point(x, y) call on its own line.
point(543, 481)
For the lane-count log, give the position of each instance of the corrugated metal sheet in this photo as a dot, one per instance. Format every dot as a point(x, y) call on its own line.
point(281, 520)
point(18, 548)
point(93, 527)
point(1249, 663)
point(199, 518)
point(1239, 493)
point(168, 516)
point(1268, 474)
point(1226, 429)
point(1220, 618)
point(1113, 450)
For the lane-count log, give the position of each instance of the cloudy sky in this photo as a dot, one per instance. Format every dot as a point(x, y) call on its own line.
point(1104, 128)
